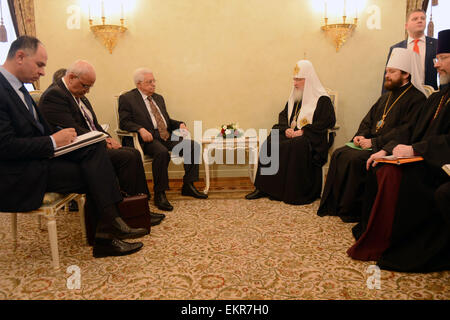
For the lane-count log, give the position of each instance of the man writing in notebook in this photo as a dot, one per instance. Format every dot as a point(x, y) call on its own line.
point(64, 104)
point(28, 167)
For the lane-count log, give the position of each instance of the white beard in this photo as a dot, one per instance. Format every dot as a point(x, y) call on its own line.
point(297, 95)
point(444, 79)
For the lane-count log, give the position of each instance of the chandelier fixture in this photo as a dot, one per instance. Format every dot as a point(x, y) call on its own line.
point(108, 33)
point(339, 32)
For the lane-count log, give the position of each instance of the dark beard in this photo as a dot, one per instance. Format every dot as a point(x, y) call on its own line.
point(394, 84)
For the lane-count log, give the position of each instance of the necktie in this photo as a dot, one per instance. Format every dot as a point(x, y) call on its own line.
point(416, 46)
point(89, 121)
point(30, 105)
point(162, 128)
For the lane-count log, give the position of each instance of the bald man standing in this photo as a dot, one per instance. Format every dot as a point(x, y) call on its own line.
point(64, 105)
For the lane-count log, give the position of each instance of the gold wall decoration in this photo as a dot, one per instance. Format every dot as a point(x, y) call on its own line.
point(108, 33)
point(339, 32)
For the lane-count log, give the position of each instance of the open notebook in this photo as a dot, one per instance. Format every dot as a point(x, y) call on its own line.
point(81, 141)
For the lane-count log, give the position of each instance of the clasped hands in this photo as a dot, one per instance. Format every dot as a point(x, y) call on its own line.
point(148, 137)
point(362, 142)
point(290, 133)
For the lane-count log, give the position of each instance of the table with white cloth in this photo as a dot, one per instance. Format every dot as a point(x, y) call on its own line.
point(249, 144)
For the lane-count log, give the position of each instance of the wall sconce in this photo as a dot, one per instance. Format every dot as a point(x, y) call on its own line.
point(339, 32)
point(108, 33)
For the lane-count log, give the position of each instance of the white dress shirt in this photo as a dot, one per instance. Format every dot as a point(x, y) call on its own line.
point(422, 49)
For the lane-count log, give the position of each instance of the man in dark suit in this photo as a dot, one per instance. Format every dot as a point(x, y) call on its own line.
point(28, 167)
point(425, 46)
point(142, 110)
point(64, 104)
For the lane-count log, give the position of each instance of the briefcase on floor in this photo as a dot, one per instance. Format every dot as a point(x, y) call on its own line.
point(134, 210)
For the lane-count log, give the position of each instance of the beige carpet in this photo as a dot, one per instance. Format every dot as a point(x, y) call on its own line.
point(221, 248)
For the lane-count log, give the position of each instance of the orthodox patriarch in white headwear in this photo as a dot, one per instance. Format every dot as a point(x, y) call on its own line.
point(311, 93)
point(303, 145)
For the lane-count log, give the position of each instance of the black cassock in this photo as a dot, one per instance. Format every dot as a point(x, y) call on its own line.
point(344, 187)
point(299, 177)
point(420, 239)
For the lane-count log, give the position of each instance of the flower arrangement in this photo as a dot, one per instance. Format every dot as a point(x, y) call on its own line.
point(230, 131)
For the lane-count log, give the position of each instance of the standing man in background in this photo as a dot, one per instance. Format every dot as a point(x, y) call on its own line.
point(424, 46)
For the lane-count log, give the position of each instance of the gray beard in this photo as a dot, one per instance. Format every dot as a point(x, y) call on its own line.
point(444, 79)
point(297, 95)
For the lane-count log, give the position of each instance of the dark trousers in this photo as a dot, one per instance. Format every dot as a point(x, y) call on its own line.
point(87, 170)
point(129, 170)
point(159, 150)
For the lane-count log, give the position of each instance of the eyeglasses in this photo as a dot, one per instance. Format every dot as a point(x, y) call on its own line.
point(149, 81)
point(85, 86)
point(440, 59)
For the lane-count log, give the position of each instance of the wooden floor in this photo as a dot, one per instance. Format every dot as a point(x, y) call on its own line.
point(216, 184)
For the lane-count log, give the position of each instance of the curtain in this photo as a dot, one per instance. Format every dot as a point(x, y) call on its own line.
point(413, 4)
point(22, 14)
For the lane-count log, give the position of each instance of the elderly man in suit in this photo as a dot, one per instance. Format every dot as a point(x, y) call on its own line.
point(64, 105)
point(424, 46)
point(28, 167)
point(144, 111)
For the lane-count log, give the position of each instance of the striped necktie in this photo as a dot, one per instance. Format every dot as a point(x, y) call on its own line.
point(162, 128)
point(89, 121)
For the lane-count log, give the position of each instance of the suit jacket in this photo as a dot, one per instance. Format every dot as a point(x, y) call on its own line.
point(133, 113)
point(61, 110)
point(430, 70)
point(24, 153)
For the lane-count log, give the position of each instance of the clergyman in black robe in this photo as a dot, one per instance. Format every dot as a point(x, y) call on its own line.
point(407, 228)
point(400, 106)
point(303, 145)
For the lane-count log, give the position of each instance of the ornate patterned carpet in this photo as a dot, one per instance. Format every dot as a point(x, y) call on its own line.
point(225, 247)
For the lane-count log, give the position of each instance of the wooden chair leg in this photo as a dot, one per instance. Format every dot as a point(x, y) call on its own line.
point(53, 236)
point(81, 201)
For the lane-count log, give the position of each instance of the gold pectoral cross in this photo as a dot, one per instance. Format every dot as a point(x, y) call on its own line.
point(380, 123)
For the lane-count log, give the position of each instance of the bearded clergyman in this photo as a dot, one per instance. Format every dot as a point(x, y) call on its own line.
point(303, 146)
point(394, 110)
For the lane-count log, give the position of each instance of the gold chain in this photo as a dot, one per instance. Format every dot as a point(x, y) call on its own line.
point(441, 104)
point(380, 123)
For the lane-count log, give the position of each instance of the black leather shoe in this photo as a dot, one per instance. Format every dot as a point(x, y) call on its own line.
point(154, 221)
point(255, 195)
point(157, 215)
point(114, 247)
point(190, 190)
point(120, 230)
point(161, 201)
